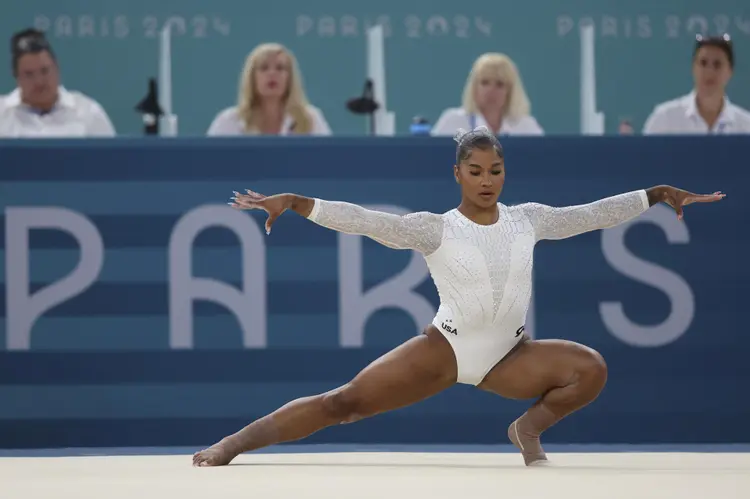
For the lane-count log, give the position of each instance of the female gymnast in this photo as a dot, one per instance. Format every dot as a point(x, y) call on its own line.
point(480, 257)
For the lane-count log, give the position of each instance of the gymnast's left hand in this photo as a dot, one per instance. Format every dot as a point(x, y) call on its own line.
point(273, 205)
point(678, 198)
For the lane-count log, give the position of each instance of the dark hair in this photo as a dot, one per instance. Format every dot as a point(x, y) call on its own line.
point(479, 138)
point(28, 41)
point(722, 42)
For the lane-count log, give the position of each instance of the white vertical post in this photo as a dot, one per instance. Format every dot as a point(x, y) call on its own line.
point(168, 125)
point(592, 122)
point(384, 120)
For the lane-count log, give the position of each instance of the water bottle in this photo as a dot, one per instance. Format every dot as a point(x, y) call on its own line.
point(420, 126)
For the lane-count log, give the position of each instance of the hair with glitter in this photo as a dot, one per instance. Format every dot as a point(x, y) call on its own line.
point(479, 138)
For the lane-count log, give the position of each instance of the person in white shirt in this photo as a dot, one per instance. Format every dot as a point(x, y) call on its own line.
point(40, 106)
point(706, 109)
point(272, 99)
point(494, 97)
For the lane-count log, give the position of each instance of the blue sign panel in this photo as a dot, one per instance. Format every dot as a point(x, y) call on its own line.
point(139, 309)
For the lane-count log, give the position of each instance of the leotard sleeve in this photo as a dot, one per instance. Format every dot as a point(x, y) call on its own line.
point(561, 223)
point(420, 231)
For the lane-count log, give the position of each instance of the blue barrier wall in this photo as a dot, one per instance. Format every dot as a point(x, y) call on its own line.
point(117, 353)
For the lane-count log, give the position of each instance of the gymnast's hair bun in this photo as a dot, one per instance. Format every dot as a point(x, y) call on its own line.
point(480, 131)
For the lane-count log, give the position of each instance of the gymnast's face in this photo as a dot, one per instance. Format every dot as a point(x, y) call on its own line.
point(481, 176)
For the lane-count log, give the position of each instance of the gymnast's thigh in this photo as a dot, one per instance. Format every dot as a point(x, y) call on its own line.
point(536, 367)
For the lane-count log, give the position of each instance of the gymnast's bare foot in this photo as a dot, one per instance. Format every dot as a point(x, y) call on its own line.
point(528, 443)
point(219, 454)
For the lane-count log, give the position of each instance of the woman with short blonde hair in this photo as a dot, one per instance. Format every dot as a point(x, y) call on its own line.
point(271, 98)
point(494, 96)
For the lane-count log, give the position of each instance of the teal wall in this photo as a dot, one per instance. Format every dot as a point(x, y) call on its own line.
point(108, 49)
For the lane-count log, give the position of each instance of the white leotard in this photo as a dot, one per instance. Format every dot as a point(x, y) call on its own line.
point(482, 272)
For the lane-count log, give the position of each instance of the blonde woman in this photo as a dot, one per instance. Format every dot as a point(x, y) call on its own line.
point(271, 99)
point(493, 97)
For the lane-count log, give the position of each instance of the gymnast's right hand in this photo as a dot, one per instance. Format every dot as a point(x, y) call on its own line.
point(273, 205)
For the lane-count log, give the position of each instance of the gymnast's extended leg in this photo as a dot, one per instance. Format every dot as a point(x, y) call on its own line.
point(566, 376)
point(420, 368)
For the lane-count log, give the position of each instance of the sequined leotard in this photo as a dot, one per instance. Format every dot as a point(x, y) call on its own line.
point(482, 272)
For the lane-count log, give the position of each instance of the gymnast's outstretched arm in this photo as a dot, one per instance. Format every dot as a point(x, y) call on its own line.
point(561, 223)
point(417, 231)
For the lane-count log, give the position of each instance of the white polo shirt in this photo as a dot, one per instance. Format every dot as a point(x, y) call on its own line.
point(229, 123)
point(75, 115)
point(680, 116)
point(456, 117)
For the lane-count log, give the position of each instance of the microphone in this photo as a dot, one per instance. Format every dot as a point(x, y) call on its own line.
point(150, 109)
point(365, 104)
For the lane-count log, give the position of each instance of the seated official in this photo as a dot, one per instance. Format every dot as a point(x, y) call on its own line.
point(494, 97)
point(272, 99)
point(40, 106)
point(706, 109)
